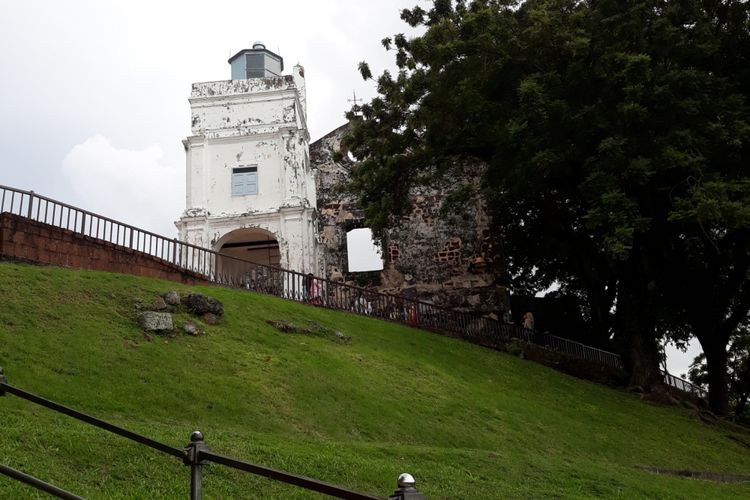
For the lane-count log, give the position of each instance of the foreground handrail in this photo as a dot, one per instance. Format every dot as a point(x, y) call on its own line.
point(37, 483)
point(195, 454)
point(304, 482)
point(175, 452)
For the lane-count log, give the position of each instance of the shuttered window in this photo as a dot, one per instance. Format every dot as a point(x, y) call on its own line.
point(244, 181)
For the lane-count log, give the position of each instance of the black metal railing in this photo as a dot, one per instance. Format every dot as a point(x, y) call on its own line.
point(582, 351)
point(684, 385)
point(37, 483)
point(232, 271)
point(196, 454)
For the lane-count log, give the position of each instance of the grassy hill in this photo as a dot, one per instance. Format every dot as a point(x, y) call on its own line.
point(467, 422)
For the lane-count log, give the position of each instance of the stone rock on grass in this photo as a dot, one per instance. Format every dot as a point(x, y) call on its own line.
point(340, 337)
point(200, 304)
point(152, 321)
point(210, 319)
point(172, 298)
point(191, 329)
point(282, 326)
point(312, 328)
point(158, 304)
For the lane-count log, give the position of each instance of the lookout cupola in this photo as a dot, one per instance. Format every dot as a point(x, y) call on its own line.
point(258, 62)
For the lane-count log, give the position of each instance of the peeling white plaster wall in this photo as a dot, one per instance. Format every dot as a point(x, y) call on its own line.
point(259, 121)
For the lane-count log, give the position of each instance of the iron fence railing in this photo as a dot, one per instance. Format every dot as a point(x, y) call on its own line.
point(232, 271)
point(582, 351)
point(37, 483)
point(684, 385)
point(196, 454)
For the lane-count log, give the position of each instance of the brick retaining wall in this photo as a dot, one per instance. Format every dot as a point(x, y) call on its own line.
point(28, 240)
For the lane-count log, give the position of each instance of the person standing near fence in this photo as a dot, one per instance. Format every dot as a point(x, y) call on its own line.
point(314, 289)
point(306, 287)
point(528, 327)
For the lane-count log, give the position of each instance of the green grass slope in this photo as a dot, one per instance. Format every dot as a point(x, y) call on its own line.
point(467, 422)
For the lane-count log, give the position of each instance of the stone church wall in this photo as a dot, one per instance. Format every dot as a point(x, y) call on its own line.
point(338, 212)
point(444, 257)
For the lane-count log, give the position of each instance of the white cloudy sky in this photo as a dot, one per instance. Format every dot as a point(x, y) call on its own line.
point(93, 94)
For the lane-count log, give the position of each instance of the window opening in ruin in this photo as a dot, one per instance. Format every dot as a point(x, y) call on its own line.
point(362, 252)
point(245, 180)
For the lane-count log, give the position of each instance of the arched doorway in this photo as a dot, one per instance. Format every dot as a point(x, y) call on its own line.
point(247, 244)
point(253, 244)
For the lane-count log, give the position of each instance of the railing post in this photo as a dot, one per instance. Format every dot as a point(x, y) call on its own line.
point(31, 203)
point(405, 489)
point(3, 380)
point(193, 459)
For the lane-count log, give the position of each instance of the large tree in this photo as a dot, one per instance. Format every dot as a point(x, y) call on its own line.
point(616, 139)
point(738, 373)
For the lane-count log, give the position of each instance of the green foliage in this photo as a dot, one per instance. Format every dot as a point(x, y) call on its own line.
point(515, 348)
point(738, 370)
point(468, 422)
point(616, 141)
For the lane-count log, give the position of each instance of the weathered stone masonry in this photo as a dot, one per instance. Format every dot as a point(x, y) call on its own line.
point(442, 258)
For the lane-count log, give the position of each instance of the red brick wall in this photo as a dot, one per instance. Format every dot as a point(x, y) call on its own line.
point(24, 239)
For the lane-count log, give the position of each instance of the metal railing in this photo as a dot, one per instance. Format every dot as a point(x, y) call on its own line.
point(196, 454)
point(232, 271)
point(684, 385)
point(37, 483)
point(582, 351)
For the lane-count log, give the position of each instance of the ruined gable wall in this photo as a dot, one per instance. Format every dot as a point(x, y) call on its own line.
point(441, 257)
point(338, 213)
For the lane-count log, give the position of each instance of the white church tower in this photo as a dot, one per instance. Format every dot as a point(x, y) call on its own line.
point(250, 188)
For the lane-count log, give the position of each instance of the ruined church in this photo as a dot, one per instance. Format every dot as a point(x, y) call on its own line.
point(256, 188)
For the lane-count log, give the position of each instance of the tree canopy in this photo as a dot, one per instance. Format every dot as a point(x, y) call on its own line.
point(616, 139)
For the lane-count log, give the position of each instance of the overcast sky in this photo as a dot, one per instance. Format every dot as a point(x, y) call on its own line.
point(94, 93)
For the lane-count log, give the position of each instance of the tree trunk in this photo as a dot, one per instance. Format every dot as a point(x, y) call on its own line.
point(642, 358)
point(638, 333)
point(718, 381)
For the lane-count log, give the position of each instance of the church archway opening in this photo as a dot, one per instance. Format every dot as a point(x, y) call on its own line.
point(248, 244)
